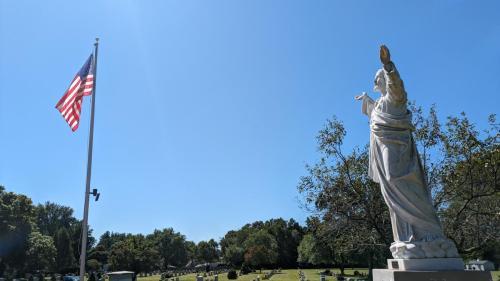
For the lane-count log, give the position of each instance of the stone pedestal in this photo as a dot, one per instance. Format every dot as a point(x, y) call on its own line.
point(399, 275)
point(439, 264)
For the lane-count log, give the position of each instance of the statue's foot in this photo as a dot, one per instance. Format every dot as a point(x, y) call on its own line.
point(437, 248)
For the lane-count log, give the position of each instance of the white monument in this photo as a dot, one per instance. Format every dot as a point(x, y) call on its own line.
point(420, 249)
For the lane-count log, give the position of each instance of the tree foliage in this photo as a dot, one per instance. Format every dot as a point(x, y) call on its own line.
point(239, 246)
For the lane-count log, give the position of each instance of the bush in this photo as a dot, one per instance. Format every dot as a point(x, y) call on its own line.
point(356, 273)
point(232, 275)
point(327, 272)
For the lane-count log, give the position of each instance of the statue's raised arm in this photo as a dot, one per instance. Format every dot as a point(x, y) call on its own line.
point(394, 86)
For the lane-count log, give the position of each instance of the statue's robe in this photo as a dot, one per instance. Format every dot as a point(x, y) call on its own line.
point(395, 164)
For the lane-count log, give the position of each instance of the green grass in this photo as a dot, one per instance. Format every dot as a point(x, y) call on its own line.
point(495, 275)
point(285, 275)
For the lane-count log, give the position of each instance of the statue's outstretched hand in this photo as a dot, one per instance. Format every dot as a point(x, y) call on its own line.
point(385, 55)
point(360, 97)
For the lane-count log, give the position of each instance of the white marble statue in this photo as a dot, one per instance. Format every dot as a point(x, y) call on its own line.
point(395, 164)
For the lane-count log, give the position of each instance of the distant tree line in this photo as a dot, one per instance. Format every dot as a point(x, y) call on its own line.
point(349, 223)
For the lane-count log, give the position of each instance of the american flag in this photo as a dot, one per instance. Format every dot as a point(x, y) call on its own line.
point(70, 105)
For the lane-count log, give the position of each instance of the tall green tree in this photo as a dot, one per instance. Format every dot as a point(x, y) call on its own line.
point(65, 259)
point(16, 224)
point(41, 252)
point(261, 249)
point(51, 217)
point(171, 247)
point(207, 251)
point(311, 251)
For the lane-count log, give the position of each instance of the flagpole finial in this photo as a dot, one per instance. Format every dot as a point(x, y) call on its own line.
point(96, 40)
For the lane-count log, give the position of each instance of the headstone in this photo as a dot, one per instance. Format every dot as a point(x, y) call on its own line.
point(322, 277)
point(199, 278)
point(216, 277)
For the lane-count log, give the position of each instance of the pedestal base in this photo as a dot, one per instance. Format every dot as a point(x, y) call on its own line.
point(397, 275)
point(441, 264)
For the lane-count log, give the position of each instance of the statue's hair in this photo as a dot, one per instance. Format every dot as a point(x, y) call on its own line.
point(381, 88)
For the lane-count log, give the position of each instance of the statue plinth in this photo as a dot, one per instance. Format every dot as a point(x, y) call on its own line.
point(448, 269)
point(442, 264)
point(402, 275)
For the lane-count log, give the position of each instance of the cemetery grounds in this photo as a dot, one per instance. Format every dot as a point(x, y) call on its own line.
point(285, 275)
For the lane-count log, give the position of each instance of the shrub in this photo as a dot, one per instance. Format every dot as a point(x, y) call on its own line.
point(356, 273)
point(232, 275)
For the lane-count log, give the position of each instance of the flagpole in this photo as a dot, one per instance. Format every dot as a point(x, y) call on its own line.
point(83, 253)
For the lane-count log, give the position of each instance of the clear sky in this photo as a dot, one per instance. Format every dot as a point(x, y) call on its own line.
point(207, 111)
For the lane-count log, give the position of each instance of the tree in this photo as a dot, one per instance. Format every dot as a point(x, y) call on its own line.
point(311, 252)
point(171, 247)
point(122, 256)
point(65, 256)
point(349, 203)
point(261, 249)
point(207, 251)
point(468, 199)
point(16, 224)
point(41, 252)
point(76, 238)
point(288, 236)
point(234, 255)
point(135, 253)
point(51, 217)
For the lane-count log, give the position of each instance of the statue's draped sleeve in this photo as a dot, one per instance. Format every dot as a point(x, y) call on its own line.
point(368, 105)
point(395, 86)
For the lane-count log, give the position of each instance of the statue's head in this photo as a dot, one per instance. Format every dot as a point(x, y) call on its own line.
point(380, 85)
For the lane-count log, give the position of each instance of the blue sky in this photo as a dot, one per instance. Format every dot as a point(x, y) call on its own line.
point(207, 111)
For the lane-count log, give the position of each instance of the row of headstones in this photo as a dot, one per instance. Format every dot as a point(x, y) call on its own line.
point(270, 274)
point(201, 278)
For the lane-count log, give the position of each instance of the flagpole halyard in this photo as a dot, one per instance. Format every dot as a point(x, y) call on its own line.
point(83, 252)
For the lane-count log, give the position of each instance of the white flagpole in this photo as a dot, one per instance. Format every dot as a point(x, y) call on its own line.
point(83, 254)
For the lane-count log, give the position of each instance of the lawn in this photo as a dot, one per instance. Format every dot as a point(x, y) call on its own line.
point(285, 275)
